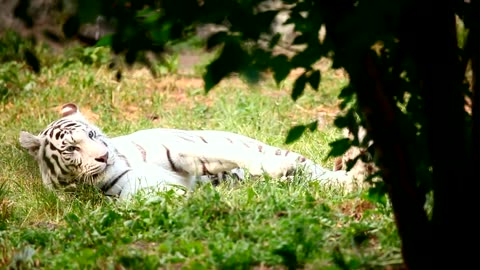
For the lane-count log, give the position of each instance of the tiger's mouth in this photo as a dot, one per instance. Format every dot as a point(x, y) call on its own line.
point(94, 178)
point(96, 173)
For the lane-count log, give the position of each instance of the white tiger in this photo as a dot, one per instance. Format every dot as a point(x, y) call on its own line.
point(71, 150)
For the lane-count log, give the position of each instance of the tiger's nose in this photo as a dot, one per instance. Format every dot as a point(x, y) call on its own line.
point(103, 158)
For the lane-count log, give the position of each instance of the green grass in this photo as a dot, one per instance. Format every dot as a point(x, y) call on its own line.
point(256, 224)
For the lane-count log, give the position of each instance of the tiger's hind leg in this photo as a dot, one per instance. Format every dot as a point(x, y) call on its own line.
point(236, 174)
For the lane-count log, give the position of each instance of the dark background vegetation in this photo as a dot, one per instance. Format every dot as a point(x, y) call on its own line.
point(412, 70)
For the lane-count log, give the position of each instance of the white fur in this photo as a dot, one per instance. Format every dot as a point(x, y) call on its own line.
point(144, 158)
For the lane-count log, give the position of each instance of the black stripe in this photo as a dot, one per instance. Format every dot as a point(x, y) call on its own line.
point(50, 166)
point(120, 193)
point(42, 149)
point(110, 184)
point(203, 139)
point(142, 151)
point(62, 170)
point(70, 124)
point(62, 181)
point(53, 148)
point(59, 122)
point(169, 157)
point(205, 171)
point(47, 131)
point(123, 157)
point(186, 139)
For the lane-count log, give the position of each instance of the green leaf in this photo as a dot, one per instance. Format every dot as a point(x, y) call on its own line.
point(131, 56)
point(314, 79)
point(377, 193)
point(313, 126)
point(339, 147)
point(151, 17)
point(281, 67)
point(263, 20)
point(252, 75)
point(344, 103)
point(32, 60)
point(105, 41)
point(161, 34)
point(71, 26)
point(71, 219)
point(301, 39)
point(109, 218)
point(299, 86)
point(347, 91)
point(288, 255)
point(88, 10)
point(295, 133)
point(307, 57)
point(346, 94)
point(347, 120)
point(352, 162)
point(341, 121)
point(274, 41)
point(232, 59)
point(216, 39)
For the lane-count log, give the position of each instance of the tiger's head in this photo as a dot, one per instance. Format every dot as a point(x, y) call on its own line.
point(69, 151)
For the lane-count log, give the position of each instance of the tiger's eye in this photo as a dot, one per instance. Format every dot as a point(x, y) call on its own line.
point(71, 148)
point(91, 134)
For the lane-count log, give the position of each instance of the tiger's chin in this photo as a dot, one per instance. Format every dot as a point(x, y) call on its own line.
point(95, 177)
point(101, 169)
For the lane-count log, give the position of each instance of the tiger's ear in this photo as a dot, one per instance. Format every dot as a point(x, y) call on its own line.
point(30, 142)
point(69, 109)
